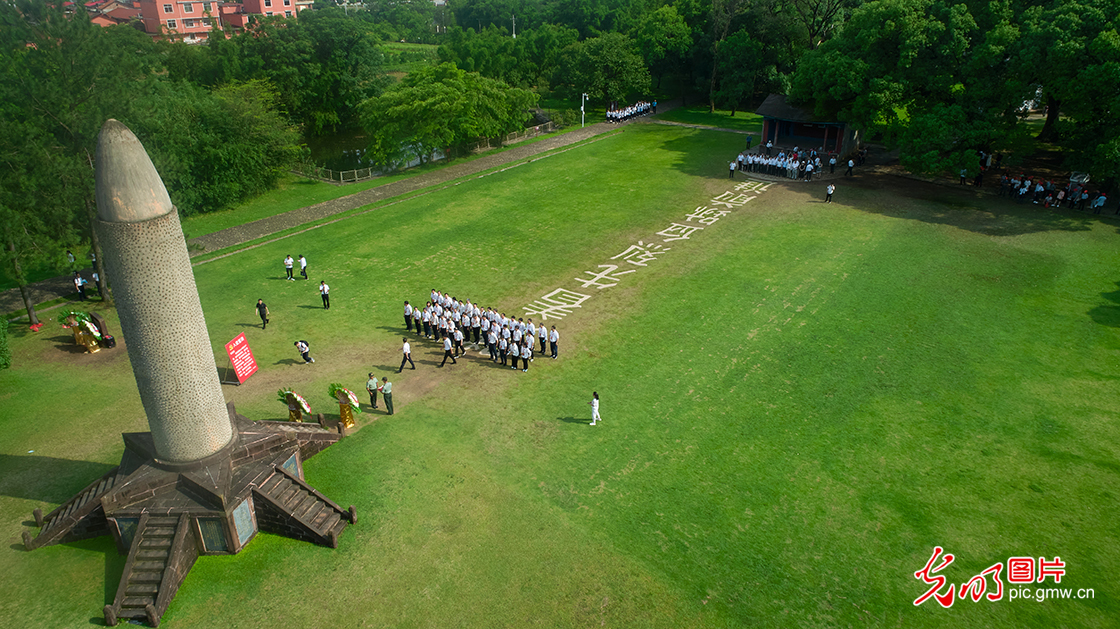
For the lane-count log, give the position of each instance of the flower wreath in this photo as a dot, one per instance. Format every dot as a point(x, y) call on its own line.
point(284, 393)
point(334, 388)
point(81, 319)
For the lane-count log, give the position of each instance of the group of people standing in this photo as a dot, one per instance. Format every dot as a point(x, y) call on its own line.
point(617, 114)
point(796, 164)
point(455, 323)
point(1049, 194)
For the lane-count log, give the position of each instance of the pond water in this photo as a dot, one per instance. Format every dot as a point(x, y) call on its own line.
point(339, 151)
point(346, 151)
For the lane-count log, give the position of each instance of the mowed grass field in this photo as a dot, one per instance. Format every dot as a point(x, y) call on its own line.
point(799, 403)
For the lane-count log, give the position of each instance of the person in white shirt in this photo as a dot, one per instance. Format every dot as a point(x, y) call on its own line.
point(515, 353)
point(407, 349)
point(476, 327)
point(304, 350)
point(288, 268)
point(416, 316)
point(407, 316)
point(447, 351)
point(554, 341)
point(426, 316)
point(303, 266)
point(324, 292)
point(527, 353)
point(828, 193)
point(503, 345)
point(492, 345)
point(459, 342)
point(594, 407)
point(542, 333)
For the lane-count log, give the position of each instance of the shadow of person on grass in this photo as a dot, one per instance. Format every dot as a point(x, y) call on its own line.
point(288, 361)
point(573, 420)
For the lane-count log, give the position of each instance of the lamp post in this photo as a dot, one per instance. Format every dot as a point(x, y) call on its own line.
point(581, 111)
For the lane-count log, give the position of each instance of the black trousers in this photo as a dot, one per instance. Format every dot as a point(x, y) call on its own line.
point(408, 323)
point(476, 333)
point(326, 301)
point(493, 351)
point(555, 349)
point(427, 329)
point(288, 270)
point(446, 355)
point(406, 359)
point(373, 398)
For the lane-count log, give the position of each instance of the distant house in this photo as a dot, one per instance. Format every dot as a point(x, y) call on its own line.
point(784, 123)
point(189, 21)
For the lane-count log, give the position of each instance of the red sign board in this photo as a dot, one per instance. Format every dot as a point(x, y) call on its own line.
point(244, 365)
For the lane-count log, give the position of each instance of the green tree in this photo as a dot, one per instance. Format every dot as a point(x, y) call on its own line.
point(931, 76)
point(215, 150)
point(439, 108)
point(70, 77)
point(740, 62)
point(607, 67)
point(663, 39)
point(1071, 51)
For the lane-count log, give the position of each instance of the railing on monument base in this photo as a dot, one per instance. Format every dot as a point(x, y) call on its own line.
point(361, 174)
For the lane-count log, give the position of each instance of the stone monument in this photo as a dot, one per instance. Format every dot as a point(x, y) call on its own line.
point(205, 479)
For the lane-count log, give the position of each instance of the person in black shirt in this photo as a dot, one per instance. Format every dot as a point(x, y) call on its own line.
point(262, 310)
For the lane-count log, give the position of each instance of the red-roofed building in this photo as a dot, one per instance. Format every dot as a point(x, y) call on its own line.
point(182, 20)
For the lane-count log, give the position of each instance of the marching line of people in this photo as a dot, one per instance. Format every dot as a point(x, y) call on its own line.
point(455, 323)
point(617, 114)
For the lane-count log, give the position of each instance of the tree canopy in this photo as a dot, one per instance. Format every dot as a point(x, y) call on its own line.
point(439, 108)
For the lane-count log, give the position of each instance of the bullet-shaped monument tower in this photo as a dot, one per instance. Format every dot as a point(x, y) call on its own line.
point(205, 479)
point(146, 261)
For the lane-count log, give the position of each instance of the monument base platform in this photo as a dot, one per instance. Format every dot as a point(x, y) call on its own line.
point(165, 515)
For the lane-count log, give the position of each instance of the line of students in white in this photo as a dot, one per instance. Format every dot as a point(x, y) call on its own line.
point(795, 165)
point(640, 108)
point(455, 322)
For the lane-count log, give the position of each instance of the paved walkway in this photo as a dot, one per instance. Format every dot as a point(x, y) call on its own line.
point(63, 286)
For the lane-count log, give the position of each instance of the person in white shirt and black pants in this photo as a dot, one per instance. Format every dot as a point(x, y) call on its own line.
point(594, 407)
point(407, 349)
point(325, 293)
point(553, 341)
point(407, 316)
point(447, 351)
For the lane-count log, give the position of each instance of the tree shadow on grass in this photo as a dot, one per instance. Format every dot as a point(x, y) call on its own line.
point(1108, 314)
point(44, 478)
point(964, 208)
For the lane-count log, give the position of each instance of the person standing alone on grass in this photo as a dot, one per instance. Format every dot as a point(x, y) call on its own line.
point(554, 341)
point(288, 268)
point(387, 395)
point(303, 266)
point(407, 350)
point(828, 193)
point(325, 293)
point(594, 407)
point(731, 174)
point(373, 388)
point(304, 350)
point(262, 310)
point(851, 164)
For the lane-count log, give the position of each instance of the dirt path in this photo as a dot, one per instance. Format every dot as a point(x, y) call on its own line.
point(62, 286)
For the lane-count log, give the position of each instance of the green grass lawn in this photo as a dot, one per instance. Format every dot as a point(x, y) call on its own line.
point(799, 403)
point(699, 114)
